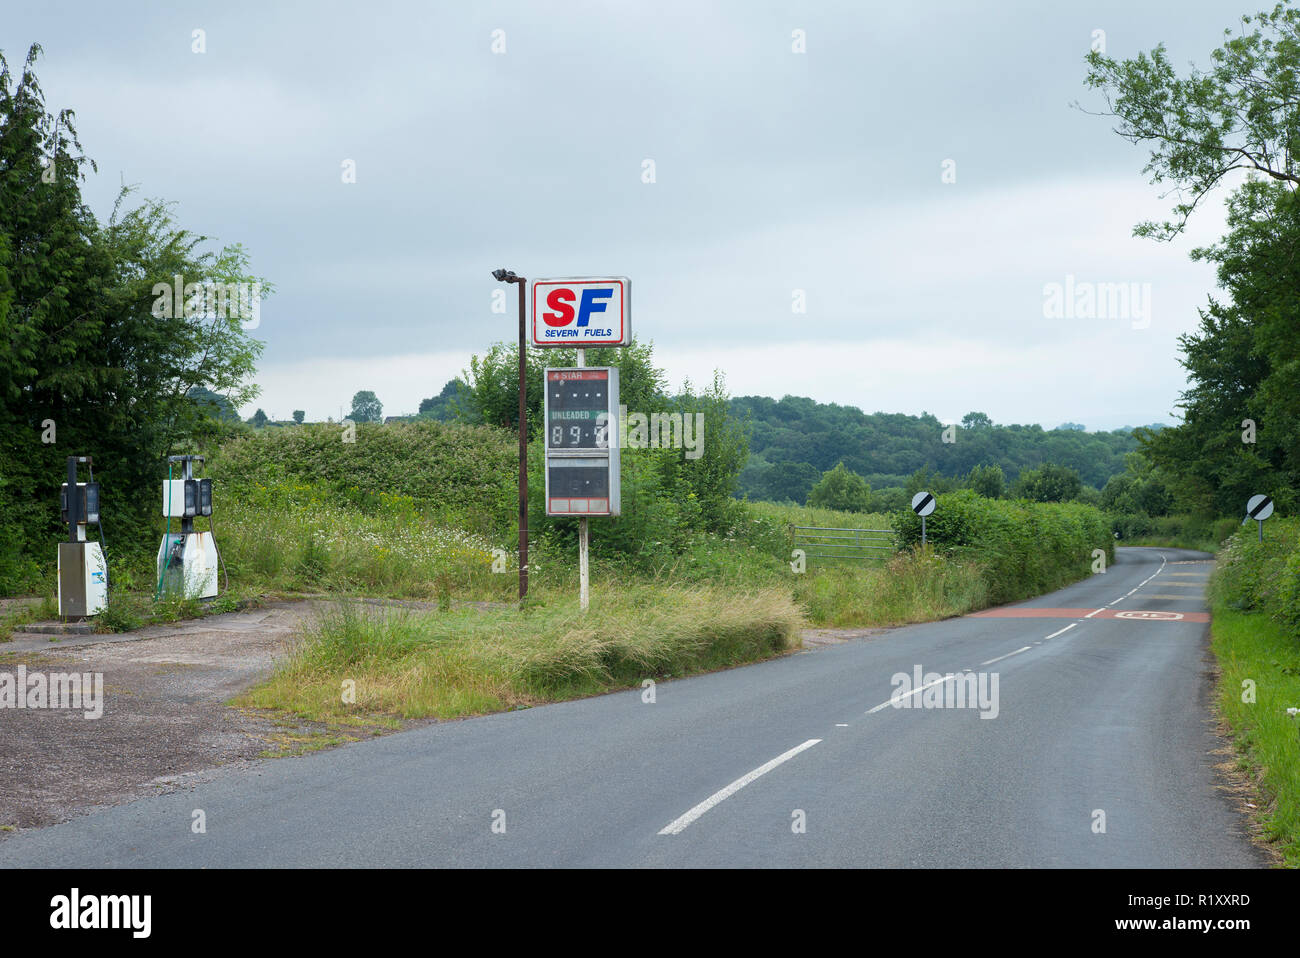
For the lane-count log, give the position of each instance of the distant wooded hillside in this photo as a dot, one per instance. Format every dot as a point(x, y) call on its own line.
point(795, 440)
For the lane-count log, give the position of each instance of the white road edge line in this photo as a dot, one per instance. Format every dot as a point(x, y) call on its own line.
point(678, 824)
point(1007, 656)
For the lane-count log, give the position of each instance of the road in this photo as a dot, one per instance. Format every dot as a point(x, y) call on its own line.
point(1099, 755)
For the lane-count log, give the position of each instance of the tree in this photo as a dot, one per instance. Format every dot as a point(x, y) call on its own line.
point(724, 447)
point(1241, 415)
point(928, 480)
point(790, 481)
point(976, 420)
point(841, 489)
point(85, 347)
point(366, 407)
point(492, 381)
point(988, 481)
point(1050, 483)
point(447, 405)
point(214, 404)
point(259, 419)
point(299, 415)
point(1241, 115)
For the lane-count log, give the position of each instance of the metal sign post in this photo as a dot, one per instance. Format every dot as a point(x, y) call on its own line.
point(1259, 508)
point(923, 505)
point(508, 276)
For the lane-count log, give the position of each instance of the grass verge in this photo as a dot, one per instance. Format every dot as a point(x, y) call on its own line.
point(913, 586)
point(1255, 652)
point(403, 665)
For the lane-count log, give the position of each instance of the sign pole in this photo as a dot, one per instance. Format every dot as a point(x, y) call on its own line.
point(923, 505)
point(584, 583)
point(1259, 508)
point(523, 442)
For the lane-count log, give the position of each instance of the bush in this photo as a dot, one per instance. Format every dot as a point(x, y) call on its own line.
point(841, 489)
point(1025, 548)
point(464, 474)
point(1256, 576)
point(1191, 532)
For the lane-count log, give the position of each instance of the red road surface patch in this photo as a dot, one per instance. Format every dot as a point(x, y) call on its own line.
point(1131, 615)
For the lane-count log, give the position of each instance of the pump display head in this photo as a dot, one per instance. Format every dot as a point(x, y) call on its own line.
point(83, 568)
point(187, 559)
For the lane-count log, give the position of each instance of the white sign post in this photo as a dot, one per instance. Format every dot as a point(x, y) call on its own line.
point(1259, 508)
point(923, 505)
point(584, 544)
point(580, 416)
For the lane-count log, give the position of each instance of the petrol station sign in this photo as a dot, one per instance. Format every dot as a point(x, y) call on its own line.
point(580, 410)
point(582, 312)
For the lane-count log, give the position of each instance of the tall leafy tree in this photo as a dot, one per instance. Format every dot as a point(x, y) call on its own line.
point(366, 407)
point(1241, 415)
point(1049, 483)
point(842, 489)
point(491, 392)
point(87, 365)
point(987, 480)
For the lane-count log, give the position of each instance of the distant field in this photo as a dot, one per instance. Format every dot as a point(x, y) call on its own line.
point(824, 518)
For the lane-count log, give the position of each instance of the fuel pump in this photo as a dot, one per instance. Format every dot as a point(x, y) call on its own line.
point(187, 560)
point(83, 570)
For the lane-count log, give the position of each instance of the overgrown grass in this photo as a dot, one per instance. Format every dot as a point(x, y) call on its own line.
point(913, 586)
point(1255, 596)
point(791, 514)
point(1252, 649)
point(466, 662)
point(21, 611)
point(294, 537)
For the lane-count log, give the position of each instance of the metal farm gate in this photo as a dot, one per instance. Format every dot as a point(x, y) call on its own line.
point(820, 542)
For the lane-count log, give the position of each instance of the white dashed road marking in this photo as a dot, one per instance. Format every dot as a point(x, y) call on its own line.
point(678, 824)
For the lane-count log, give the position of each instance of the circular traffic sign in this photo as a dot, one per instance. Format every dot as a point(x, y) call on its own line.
point(923, 503)
point(1259, 507)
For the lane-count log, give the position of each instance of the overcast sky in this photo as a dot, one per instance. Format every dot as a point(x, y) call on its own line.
point(774, 171)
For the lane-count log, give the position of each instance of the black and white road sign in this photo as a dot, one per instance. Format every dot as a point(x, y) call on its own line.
point(1259, 507)
point(923, 504)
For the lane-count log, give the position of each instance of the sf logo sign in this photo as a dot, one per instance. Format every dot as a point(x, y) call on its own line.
point(584, 312)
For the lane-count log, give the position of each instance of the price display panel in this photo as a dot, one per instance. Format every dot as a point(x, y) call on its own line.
point(582, 452)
